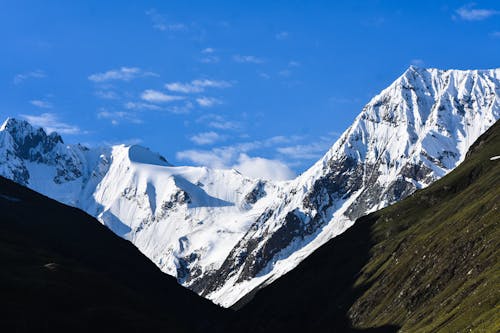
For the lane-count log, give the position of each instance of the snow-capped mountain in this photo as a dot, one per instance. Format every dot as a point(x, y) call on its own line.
point(223, 234)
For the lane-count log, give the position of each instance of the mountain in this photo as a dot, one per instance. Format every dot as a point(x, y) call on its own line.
point(62, 271)
point(411, 134)
point(429, 263)
point(426, 264)
point(224, 235)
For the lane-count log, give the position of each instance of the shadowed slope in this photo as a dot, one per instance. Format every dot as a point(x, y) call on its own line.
point(63, 270)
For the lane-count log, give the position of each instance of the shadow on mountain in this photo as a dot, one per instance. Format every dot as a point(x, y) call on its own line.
point(317, 295)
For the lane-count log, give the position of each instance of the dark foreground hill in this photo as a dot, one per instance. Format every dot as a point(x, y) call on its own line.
point(430, 263)
point(61, 270)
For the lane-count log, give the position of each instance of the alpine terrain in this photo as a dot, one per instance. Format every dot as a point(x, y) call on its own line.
point(426, 264)
point(225, 235)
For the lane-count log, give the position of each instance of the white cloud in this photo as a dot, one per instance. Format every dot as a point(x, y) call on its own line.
point(206, 138)
point(468, 13)
point(41, 104)
point(115, 117)
point(196, 86)
point(248, 59)
point(207, 102)
point(160, 22)
point(236, 156)
point(258, 167)
point(154, 96)
point(231, 158)
point(106, 94)
point(208, 50)
point(210, 59)
point(217, 158)
point(309, 151)
point(51, 123)
point(141, 106)
point(293, 63)
point(121, 74)
point(495, 34)
point(38, 74)
point(181, 109)
point(282, 35)
point(264, 75)
point(218, 122)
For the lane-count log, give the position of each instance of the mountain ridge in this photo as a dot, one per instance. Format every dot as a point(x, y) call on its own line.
point(240, 233)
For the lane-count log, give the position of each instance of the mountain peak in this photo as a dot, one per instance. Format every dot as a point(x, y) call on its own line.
point(143, 155)
point(21, 129)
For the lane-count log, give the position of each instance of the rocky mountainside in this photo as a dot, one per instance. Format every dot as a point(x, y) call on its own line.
point(429, 263)
point(222, 234)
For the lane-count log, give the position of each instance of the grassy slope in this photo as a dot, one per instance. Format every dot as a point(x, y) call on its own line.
point(435, 266)
point(61, 270)
point(427, 264)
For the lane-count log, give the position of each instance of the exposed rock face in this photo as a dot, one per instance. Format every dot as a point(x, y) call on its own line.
point(222, 234)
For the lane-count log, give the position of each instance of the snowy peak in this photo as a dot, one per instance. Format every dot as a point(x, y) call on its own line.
point(30, 142)
point(140, 154)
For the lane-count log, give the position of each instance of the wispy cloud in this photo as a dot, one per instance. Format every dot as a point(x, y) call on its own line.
point(210, 59)
point(209, 56)
point(264, 75)
point(51, 123)
point(115, 117)
point(141, 106)
point(469, 13)
point(206, 138)
point(121, 74)
point(181, 109)
point(106, 94)
point(310, 151)
point(41, 104)
point(196, 86)
point(495, 34)
point(258, 167)
point(218, 122)
point(38, 74)
point(208, 102)
point(248, 59)
point(229, 158)
point(161, 23)
point(154, 96)
point(282, 35)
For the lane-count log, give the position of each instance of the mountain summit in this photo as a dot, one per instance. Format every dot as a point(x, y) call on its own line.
point(224, 235)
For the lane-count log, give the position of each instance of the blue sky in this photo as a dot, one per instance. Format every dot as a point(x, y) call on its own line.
point(263, 86)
